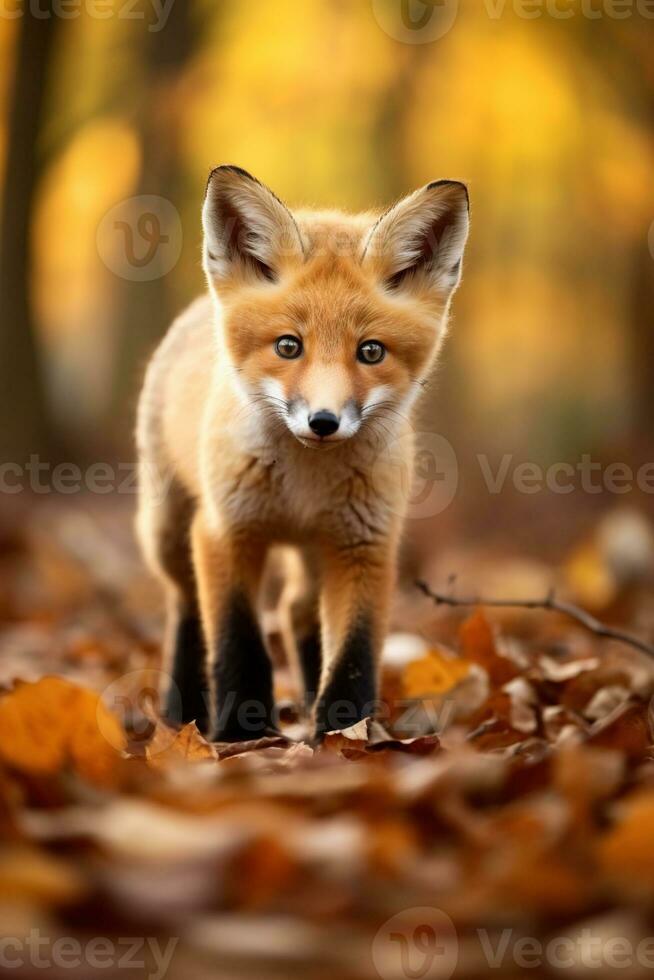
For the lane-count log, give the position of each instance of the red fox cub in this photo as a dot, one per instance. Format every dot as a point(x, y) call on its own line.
point(267, 407)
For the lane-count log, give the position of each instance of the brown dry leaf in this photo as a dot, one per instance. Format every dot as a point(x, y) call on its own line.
point(351, 742)
point(226, 750)
point(560, 671)
point(28, 874)
point(560, 725)
point(419, 745)
point(168, 747)
point(626, 730)
point(261, 870)
point(492, 727)
point(368, 736)
point(52, 724)
point(523, 704)
point(546, 883)
point(392, 844)
point(477, 642)
point(626, 850)
point(585, 775)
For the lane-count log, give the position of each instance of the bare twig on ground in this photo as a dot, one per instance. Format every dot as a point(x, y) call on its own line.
point(549, 603)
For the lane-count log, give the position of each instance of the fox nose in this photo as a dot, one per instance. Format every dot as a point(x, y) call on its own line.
point(323, 423)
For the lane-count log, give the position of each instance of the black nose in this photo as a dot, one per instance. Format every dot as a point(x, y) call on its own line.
point(323, 423)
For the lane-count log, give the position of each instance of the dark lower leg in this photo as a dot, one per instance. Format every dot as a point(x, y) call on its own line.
point(310, 655)
point(350, 690)
point(241, 675)
point(187, 694)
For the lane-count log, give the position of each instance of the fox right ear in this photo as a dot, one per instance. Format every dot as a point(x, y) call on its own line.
point(418, 244)
point(249, 235)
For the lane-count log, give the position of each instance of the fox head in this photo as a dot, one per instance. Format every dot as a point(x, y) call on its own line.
point(331, 322)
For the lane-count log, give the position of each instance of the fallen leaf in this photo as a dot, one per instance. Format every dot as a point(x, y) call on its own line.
point(626, 729)
point(186, 745)
point(52, 724)
point(477, 644)
point(368, 735)
point(433, 673)
point(27, 874)
point(226, 750)
point(626, 850)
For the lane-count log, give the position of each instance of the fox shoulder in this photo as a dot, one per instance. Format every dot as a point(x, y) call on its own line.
point(175, 391)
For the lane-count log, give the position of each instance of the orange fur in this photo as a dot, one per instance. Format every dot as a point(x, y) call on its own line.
point(228, 420)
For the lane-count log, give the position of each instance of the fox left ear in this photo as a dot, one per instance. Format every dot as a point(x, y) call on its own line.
point(419, 243)
point(249, 235)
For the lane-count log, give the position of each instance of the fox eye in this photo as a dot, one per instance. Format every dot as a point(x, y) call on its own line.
point(371, 352)
point(288, 347)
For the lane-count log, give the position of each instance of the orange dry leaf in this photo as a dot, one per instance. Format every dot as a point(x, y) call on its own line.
point(546, 883)
point(169, 747)
point(350, 742)
point(626, 851)
point(52, 724)
point(590, 578)
point(392, 844)
point(369, 736)
point(478, 645)
point(625, 729)
point(433, 674)
point(30, 875)
point(261, 871)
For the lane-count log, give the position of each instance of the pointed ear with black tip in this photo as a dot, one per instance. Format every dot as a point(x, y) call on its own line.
point(418, 244)
point(249, 235)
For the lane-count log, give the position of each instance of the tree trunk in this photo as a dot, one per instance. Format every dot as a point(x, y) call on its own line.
point(642, 343)
point(147, 307)
point(25, 427)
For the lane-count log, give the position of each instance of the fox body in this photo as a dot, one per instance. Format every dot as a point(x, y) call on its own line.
point(277, 410)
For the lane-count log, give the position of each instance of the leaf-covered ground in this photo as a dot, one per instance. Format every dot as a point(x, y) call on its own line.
point(500, 822)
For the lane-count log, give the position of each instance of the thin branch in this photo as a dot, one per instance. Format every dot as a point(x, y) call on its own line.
point(550, 603)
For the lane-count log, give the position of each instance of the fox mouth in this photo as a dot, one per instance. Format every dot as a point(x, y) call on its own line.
point(316, 442)
point(317, 429)
point(303, 432)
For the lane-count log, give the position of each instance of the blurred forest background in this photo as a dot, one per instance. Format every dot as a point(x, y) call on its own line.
point(550, 120)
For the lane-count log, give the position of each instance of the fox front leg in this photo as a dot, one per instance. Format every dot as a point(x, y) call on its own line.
point(228, 571)
point(356, 597)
